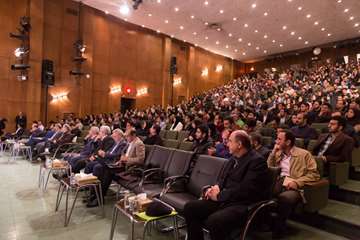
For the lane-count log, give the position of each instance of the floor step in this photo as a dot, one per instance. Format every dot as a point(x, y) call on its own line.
point(349, 192)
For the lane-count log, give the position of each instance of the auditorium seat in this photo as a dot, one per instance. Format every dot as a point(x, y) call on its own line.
point(267, 141)
point(299, 142)
point(311, 145)
point(268, 132)
point(206, 171)
point(171, 134)
point(171, 143)
point(182, 135)
point(157, 159)
point(355, 158)
point(186, 146)
point(177, 165)
point(162, 133)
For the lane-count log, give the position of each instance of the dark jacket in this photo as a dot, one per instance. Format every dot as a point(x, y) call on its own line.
point(263, 151)
point(201, 147)
point(105, 144)
point(340, 150)
point(115, 151)
point(153, 140)
point(305, 132)
point(244, 179)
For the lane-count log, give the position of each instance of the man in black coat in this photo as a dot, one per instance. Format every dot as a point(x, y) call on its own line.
point(21, 120)
point(224, 205)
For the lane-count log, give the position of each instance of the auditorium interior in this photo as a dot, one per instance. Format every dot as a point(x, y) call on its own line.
point(179, 119)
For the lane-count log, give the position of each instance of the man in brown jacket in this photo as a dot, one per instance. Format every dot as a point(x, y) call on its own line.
point(298, 167)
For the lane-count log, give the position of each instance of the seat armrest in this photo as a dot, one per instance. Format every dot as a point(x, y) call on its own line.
point(171, 181)
point(316, 195)
point(338, 173)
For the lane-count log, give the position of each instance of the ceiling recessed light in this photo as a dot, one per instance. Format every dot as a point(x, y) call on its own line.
point(323, 29)
point(125, 19)
point(316, 23)
point(143, 26)
point(246, 25)
point(182, 27)
point(281, 45)
point(249, 44)
point(206, 3)
point(306, 42)
point(149, 14)
point(235, 50)
point(184, 40)
point(194, 33)
point(300, 8)
point(166, 21)
point(234, 19)
point(273, 41)
point(239, 39)
point(172, 36)
point(265, 14)
point(339, 1)
point(256, 31)
point(206, 37)
point(292, 33)
point(176, 9)
point(106, 12)
point(284, 27)
point(206, 23)
point(192, 16)
point(158, 31)
point(265, 36)
point(217, 42)
point(253, 5)
point(124, 9)
point(299, 38)
point(244, 53)
point(356, 24)
point(289, 0)
point(351, 18)
point(227, 46)
point(329, 34)
point(265, 51)
point(257, 48)
point(195, 45)
point(230, 34)
point(308, 16)
point(218, 29)
point(158, 1)
point(346, 10)
point(221, 11)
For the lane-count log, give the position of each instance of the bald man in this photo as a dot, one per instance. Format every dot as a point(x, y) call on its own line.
point(225, 204)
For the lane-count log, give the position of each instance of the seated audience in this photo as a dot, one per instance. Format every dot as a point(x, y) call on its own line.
point(302, 129)
point(201, 142)
point(225, 205)
point(298, 167)
point(154, 138)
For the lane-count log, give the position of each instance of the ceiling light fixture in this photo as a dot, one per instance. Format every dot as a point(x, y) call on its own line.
point(316, 23)
point(257, 48)
point(273, 41)
point(192, 16)
point(221, 11)
point(351, 18)
point(194, 33)
point(329, 34)
point(227, 46)
point(299, 38)
point(124, 9)
point(182, 27)
point(292, 33)
point(166, 21)
point(284, 27)
point(322, 29)
point(246, 25)
point(234, 19)
point(356, 24)
point(265, 36)
point(256, 31)
point(244, 53)
point(217, 42)
point(281, 45)
point(206, 37)
point(300, 8)
point(308, 16)
point(206, 3)
point(265, 51)
point(206, 23)
point(346, 10)
point(249, 44)
point(265, 14)
point(230, 34)
point(149, 14)
point(306, 42)
point(253, 5)
point(239, 39)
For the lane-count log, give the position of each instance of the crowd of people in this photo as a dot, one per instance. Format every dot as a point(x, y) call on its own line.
point(226, 122)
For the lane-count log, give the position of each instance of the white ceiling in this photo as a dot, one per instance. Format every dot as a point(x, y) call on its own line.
point(308, 23)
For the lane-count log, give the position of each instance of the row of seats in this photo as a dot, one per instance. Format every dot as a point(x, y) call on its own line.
point(175, 135)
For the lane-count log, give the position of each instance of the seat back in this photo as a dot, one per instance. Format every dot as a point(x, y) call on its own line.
point(171, 134)
point(159, 157)
point(162, 133)
point(266, 141)
point(319, 126)
point(186, 146)
point(179, 163)
point(206, 171)
point(355, 157)
point(148, 150)
point(182, 135)
point(299, 142)
point(274, 174)
point(311, 145)
point(266, 131)
point(320, 166)
point(170, 143)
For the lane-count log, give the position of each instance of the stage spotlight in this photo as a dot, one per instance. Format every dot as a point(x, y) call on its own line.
point(136, 4)
point(20, 66)
point(22, 78)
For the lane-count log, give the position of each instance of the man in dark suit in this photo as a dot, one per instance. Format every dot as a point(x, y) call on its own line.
point(21, 120)
point(225, 204)
point(106, 142)
point(334, 146)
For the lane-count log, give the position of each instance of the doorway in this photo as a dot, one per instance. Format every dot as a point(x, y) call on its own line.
point(127, 104)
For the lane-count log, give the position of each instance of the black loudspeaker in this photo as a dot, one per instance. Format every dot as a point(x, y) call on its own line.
point(47, 74)
point(173, 67)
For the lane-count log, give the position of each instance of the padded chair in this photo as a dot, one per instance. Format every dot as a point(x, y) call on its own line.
point(182, 135)
point(266, 141)
point(316, 193)
point(299, 142)
point(320, 127)
point(186, 146)
point(162, 133)
point(355, 158)
point(171, 134)
point(171, 143)
point(176, 166)
point(157, 159)
point(311, 145)
point(268, 132)
point(206, 171)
